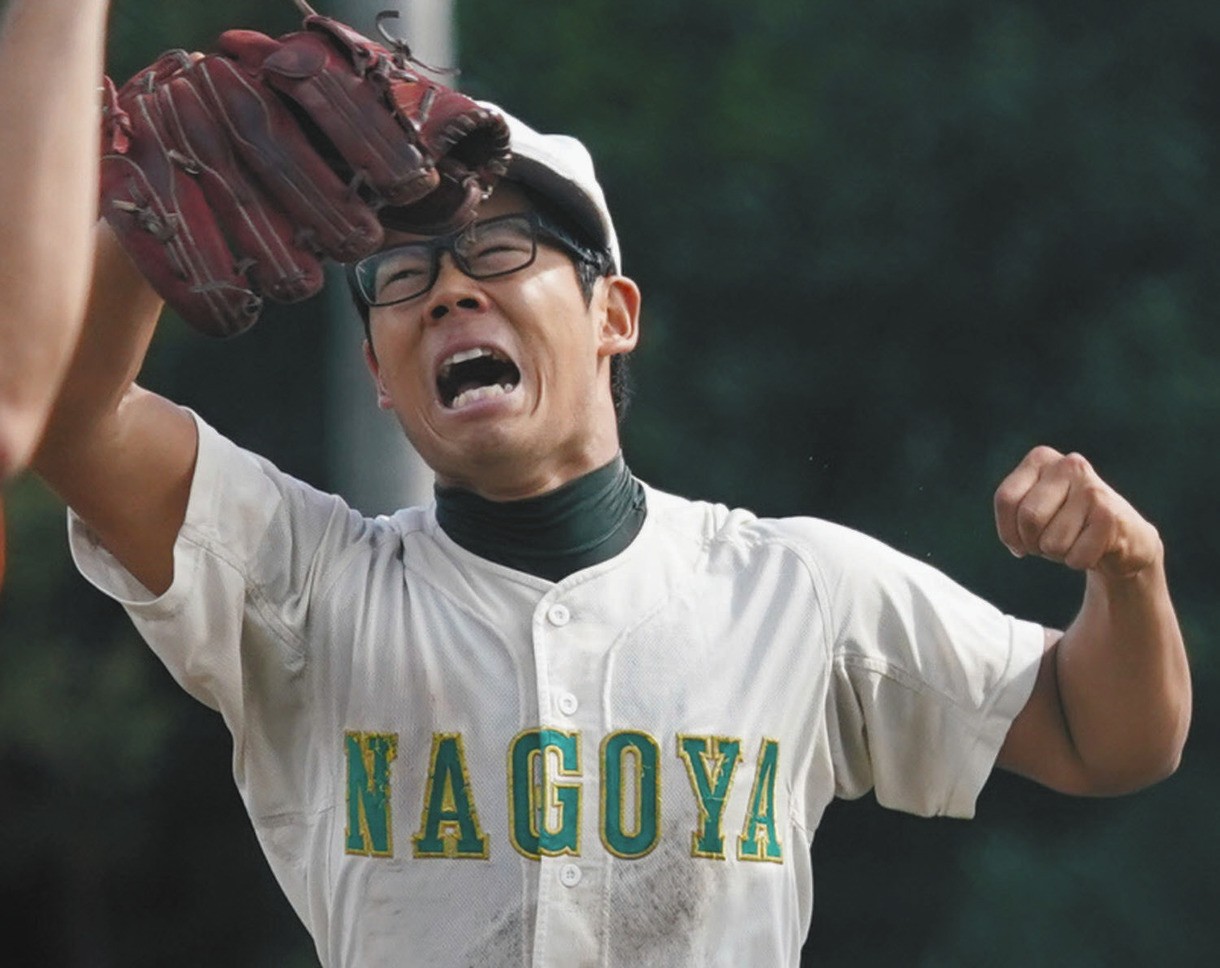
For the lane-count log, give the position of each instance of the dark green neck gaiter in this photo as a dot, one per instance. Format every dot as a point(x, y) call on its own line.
point(587, 521)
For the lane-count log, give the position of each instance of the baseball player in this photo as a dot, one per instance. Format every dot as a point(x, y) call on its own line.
point(555, 717)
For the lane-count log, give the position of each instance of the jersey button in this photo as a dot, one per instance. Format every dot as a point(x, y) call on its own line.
point(558, 614)
point(569, 875)
point(568, 704)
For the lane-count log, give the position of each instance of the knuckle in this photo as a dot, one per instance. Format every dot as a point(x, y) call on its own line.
point(1079, 559)
point(1005, 497)
point(1053, 545)
point(1029, 518)
point(1076, 464)
point(1042, 454)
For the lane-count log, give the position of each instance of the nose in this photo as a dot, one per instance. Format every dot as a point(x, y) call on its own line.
point(452, 291)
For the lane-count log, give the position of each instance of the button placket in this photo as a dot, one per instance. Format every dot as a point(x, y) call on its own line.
point(563, 702)
point(568, 639)
point(569, 875)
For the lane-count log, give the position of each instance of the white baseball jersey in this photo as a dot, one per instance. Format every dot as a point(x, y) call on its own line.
point(452, 763)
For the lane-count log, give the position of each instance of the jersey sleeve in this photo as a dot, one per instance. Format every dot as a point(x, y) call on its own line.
point(926, 677)
point(251, 552)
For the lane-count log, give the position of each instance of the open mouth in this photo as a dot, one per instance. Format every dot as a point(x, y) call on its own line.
point(475, 374)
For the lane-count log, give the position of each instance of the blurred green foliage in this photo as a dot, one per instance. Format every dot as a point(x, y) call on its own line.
point(885, 248)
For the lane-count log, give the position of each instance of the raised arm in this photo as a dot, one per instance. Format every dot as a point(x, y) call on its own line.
point(221, 195)
point(120, 456)
point(1111, 707)
point(48, 194)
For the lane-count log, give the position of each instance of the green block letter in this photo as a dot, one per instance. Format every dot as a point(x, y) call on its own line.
point(711, 762)
point(543, 810)
point(449, 825)
point(631, 793)
point(759, 839)
point(369, 828)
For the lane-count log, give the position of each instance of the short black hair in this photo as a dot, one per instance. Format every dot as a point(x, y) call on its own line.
point(599, 265)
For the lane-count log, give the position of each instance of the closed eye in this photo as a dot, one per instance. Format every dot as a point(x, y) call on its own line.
point(407, 274)
point(496, 259)
point(401, 280)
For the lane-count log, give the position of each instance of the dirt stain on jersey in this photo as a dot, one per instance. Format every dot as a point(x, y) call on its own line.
point(506, 944)
point(658, 906)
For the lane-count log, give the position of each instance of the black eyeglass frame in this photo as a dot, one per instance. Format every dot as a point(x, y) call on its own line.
point(363, 272)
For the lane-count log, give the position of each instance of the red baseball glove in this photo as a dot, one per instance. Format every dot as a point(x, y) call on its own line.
point(228, 176)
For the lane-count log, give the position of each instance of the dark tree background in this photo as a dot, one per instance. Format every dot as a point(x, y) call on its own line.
point(885, 247)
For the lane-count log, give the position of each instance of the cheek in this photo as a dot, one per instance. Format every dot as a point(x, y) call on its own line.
point(393, 341)
point(396, 379)
point(571, 374)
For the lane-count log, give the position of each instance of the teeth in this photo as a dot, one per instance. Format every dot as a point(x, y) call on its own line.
point(475, 394)
point(463, 355)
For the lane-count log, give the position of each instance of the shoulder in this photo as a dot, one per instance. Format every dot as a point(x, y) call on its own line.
point(243, 503)
point(718, 523)
point(842, 562)
point(821, 547)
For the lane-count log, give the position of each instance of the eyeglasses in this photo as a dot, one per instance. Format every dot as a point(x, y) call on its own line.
point(482, 250)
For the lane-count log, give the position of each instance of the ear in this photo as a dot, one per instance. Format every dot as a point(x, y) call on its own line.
point(370, 360)
point(620, 316)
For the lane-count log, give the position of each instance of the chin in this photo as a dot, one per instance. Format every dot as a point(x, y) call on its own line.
point(487, 455)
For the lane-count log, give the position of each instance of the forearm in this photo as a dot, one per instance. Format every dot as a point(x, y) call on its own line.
point(87, 422)
point(1124, 681)
point(120, 318)
point(1110, 708)
point(48, 194)
point(122, 457)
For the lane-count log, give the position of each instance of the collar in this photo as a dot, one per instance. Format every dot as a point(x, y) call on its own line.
point(581, 524)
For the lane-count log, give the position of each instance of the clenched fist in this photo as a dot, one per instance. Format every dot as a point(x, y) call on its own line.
point(1057, 507)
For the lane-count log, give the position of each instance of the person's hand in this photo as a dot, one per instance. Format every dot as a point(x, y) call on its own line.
point(1057, 507)
point(228, 177)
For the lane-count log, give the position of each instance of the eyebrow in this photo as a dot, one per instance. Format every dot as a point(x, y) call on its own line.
point(407, 238)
